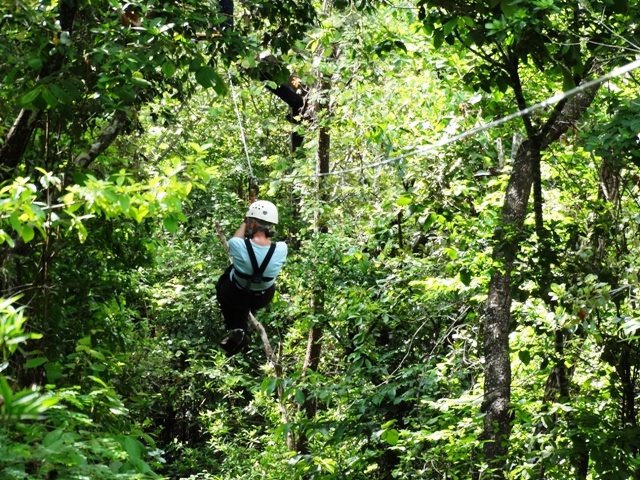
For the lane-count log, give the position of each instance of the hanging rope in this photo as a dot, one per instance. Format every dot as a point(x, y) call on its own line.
point(242, 136)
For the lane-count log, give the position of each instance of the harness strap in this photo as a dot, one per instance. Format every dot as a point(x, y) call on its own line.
point(257, 277)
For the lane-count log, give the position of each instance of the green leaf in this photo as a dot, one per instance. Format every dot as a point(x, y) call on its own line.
point(391, 436)
point(134, 448)
point(141, 466)
point(631, 326)
point(140, 81)
point(449, 26)
point(5, 393)
point(36, 362)
point(59, 93)
point(27, 233)
point(195, 64)
point(568, 83)
point(5, 237)
point(452, 253)
point(96, 354)
point(15, 223)
point(170, 223)
point(404, 200)
point(49, 97)
point(327, 463)
point(465, 276)
point(64, 38)
point(53, 371)
point(269, 385)
point(209, 78)
point(300, 398)
point(70, 87)
point(52, 438)
point(168, 69)
point(138, 214)
point(30, 97)
point(35, 64)
point(98, 381)
point(508, 7)
point(429, 220)
point(524, 356)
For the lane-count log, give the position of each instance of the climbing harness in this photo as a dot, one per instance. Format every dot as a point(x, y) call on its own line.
point(256, 276)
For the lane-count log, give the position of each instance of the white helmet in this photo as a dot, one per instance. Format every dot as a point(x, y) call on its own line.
point(263, 210)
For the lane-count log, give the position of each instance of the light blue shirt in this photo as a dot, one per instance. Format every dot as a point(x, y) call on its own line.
point(242, 262)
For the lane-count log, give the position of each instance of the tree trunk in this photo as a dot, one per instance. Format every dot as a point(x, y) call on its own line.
point(314, 343)
point(497, 321)
point(16, 142)
point(497, 387)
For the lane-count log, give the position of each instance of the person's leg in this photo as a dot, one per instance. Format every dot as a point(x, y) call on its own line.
point(233, 316)
point(259, 300)
point(235, 310)
point(233, 303)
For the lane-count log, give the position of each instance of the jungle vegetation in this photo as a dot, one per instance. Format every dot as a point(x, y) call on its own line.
point(459, 187)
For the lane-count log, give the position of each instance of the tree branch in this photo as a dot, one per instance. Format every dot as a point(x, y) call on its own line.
point(16, 141)
point(567, 115)
point(105, 139)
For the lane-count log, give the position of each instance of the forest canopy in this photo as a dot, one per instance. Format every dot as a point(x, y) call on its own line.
point(457, 183)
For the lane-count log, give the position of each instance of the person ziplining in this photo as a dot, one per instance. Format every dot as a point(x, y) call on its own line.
point(248, 284)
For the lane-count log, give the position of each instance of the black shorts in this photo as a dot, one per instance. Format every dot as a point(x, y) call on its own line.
point(236, 303)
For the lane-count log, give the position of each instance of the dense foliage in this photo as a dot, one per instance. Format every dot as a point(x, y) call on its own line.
point(133, 133)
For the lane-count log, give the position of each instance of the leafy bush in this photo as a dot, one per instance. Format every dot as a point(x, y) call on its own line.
point(65, 433)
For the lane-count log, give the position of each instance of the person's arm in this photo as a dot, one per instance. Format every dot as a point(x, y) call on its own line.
point(241, 230)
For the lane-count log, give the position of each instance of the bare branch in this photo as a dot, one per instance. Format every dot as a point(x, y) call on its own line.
point(105, 139)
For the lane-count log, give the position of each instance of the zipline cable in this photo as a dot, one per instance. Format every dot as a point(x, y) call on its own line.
point(242, 136)
point(473, 131)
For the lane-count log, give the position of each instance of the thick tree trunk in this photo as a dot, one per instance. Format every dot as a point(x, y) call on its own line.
point(497, 321)
point(16, 142)
point(497, 387)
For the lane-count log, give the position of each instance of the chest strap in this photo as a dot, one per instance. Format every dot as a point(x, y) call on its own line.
point(256, 276)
